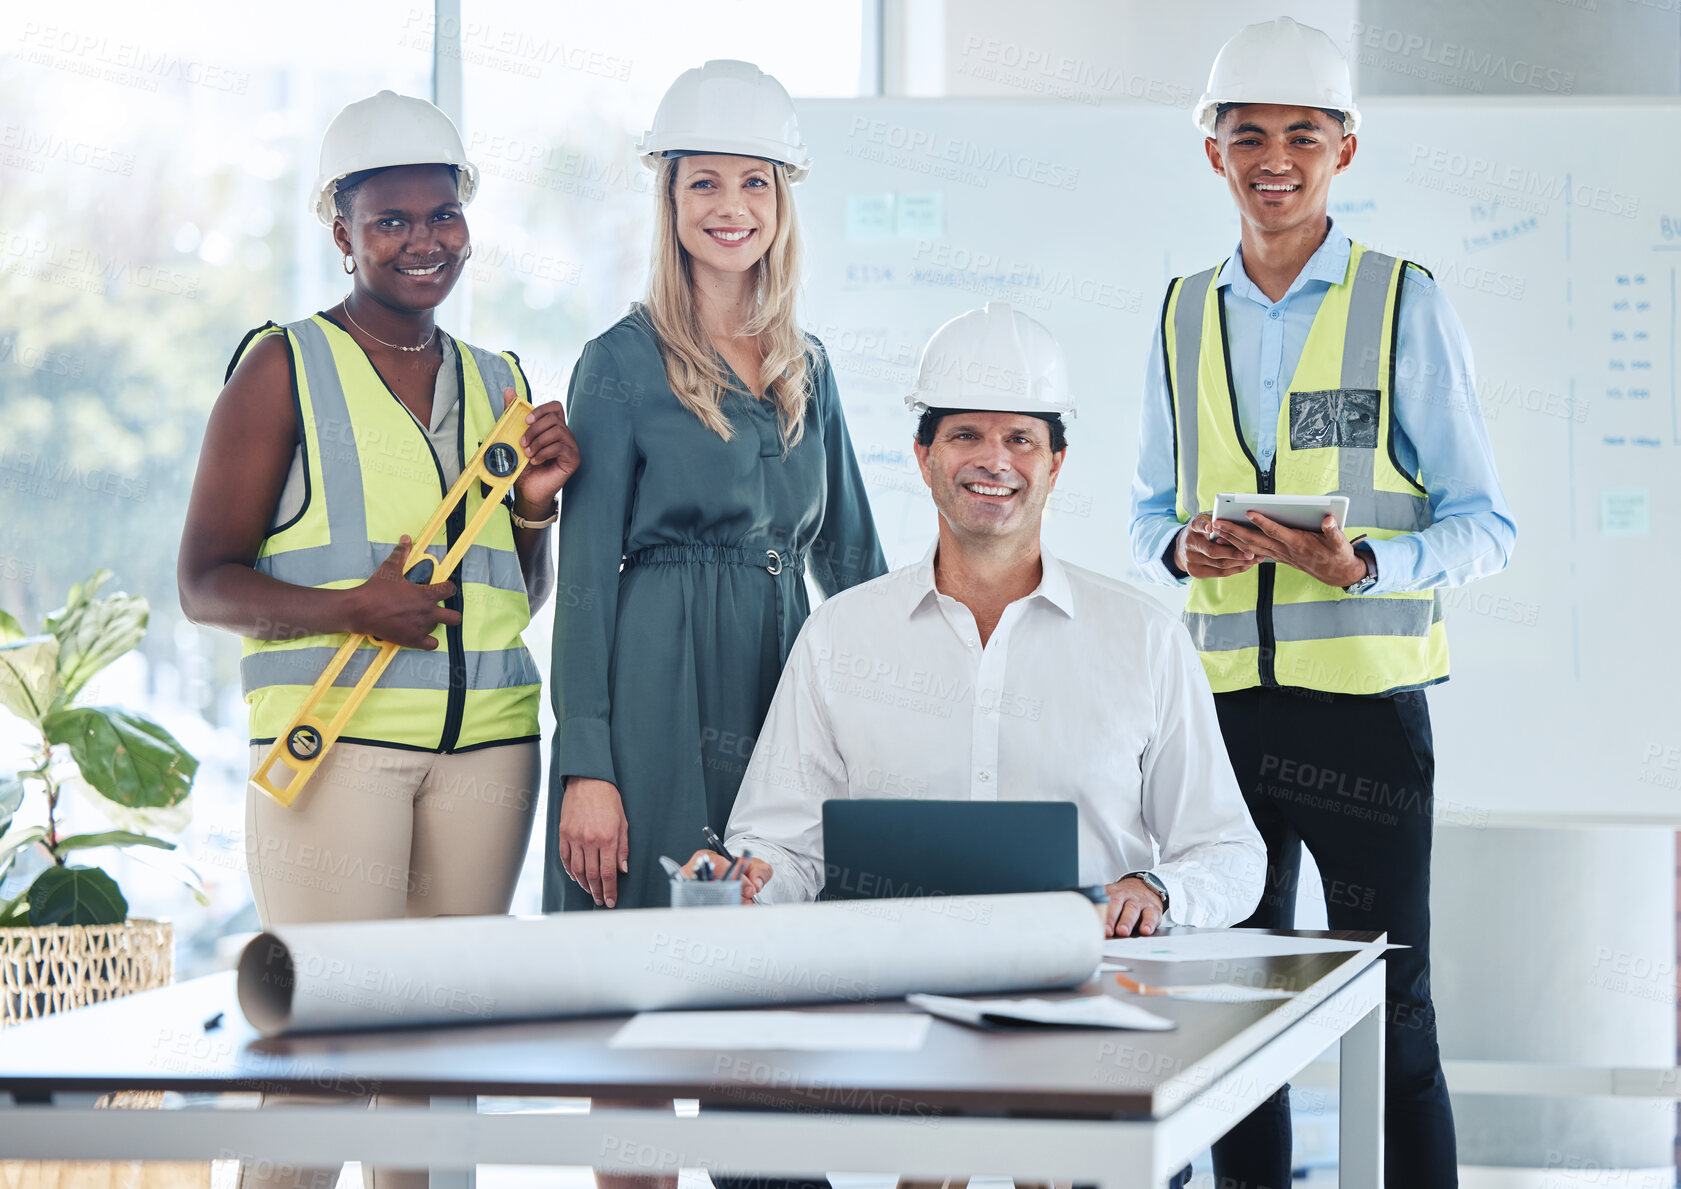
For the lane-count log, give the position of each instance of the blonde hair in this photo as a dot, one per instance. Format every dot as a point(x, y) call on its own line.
point(693, 367)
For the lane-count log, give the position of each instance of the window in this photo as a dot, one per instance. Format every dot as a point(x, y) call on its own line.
point(155, 178)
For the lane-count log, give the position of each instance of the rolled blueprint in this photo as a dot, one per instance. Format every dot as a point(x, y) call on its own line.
point(457, 970)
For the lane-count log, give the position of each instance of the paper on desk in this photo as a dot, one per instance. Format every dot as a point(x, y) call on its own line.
point(1221, 945)
point(1090, 1011)
point(827, 1032)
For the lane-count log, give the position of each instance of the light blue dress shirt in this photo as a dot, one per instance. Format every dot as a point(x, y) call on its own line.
point(1440, 432)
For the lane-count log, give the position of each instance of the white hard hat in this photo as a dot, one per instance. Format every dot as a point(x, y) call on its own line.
point(1279, 61)
point(382, 131)
point(727, 107)
point(994, 359)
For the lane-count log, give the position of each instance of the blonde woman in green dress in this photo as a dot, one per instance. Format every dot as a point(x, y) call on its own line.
point(717, 474)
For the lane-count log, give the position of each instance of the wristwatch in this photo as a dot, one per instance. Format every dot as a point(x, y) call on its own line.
point(1362, 585)
point(1149, 880)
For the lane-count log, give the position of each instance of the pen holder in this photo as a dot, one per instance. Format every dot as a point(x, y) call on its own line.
point(702, 893)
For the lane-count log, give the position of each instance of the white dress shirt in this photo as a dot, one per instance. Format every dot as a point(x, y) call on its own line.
point(1087, 691)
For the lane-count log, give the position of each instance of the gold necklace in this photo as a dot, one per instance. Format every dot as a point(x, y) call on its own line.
point(346, 304)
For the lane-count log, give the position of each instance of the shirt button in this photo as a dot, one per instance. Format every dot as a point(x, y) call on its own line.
point(1274, 314)
point(1268, 383)
point(983, 776)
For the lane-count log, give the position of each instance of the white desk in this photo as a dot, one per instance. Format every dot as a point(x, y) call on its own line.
point(1119, 1110)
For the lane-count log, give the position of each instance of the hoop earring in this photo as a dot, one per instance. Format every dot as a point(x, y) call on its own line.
point(348, 265)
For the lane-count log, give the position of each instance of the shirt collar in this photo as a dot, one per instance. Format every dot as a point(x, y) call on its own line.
point(1329, 263)
point(1053, 587)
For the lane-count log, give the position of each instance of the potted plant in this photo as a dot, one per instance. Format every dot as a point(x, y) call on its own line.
point(66, 939)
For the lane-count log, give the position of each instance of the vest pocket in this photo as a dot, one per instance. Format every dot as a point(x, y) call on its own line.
point(1344, 417)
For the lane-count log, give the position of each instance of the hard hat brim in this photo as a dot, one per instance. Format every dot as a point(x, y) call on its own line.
point(983, 402)
point(1207, 111)
point(327, 188)
point(654, 149)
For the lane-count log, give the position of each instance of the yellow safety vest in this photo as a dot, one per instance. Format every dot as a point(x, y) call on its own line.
point(1274, 625)
point(370, 477)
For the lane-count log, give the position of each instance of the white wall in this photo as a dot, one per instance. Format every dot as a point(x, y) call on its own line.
point(1118, 51)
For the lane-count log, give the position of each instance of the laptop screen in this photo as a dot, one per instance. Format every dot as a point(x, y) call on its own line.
point(883, 849)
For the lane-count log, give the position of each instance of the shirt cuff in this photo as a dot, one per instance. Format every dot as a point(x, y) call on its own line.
point(1157, 569)
point(1177, 908)
point(788, 883)
point(583, 747)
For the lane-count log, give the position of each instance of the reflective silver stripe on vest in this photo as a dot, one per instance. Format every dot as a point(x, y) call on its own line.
point(1187, 331)
point(1362, 367)
point(1297, 622)
point(495, 373)
point(320, 564)
point(335, 434)
point(1362, 352)
point(411, 668)
point(349, 556)
point(1372, 508)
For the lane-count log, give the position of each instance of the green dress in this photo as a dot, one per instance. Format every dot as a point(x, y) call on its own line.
point(671, 630)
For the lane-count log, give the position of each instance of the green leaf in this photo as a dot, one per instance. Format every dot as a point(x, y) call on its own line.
point(78, 599)
point(76, 896)
point(29, 676)
point(109, 838)
point(10, 629)
point(12, 843)
point(14, 912)
point(11, 797)
point(171, 819)
point(92, 633)
point(126, 757)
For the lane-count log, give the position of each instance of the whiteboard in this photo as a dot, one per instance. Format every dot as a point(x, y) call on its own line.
point(1554, 228)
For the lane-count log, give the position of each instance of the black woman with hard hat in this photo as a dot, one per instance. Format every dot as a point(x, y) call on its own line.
point(334, 439)
point(719, 474)
point(1311, 365)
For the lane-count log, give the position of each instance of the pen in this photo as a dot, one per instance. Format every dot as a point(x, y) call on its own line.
point(704, 869)
point(672, 868)
point(1138, 988)
point(716, 843)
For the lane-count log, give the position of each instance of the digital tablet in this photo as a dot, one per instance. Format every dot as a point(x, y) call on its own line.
point(1306, 512)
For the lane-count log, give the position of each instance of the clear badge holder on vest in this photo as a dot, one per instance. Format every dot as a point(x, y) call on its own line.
point(300, 748)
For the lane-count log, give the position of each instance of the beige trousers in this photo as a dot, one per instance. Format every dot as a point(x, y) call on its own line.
point(382, 833)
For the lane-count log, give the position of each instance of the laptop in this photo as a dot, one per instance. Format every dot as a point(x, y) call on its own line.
point(882, 849)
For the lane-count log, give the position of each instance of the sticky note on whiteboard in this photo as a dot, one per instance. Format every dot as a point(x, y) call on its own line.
point(869, 217)
point(1625, 512)
point(921, 216)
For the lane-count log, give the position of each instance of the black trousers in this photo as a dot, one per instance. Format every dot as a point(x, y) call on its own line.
point(1350, 778)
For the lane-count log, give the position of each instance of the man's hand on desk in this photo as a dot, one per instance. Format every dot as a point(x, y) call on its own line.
point(754, 873)
point(1134, 909)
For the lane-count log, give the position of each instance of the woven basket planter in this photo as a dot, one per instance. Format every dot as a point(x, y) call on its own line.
point(53, 968)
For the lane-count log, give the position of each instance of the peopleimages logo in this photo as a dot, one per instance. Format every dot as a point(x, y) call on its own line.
point(1454, 63)
point(922, 151)
point(1501, 176)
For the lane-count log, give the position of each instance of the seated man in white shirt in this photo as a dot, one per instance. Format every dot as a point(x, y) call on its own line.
point(991, 670)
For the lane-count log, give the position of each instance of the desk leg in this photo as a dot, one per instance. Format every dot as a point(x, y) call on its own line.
point(454, 1178)
point(1360, 1104)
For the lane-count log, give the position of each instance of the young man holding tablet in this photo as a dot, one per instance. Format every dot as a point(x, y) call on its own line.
point(1310, 365)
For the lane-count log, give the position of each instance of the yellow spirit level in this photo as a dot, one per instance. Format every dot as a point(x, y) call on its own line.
point(305, 741)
